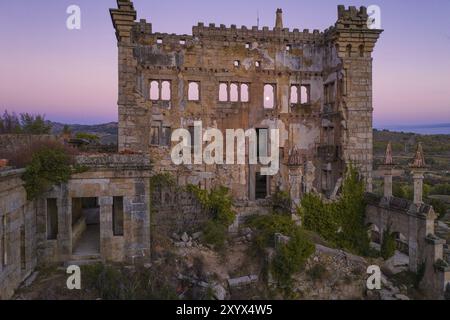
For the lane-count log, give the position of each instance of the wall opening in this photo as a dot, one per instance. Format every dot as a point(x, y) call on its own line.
point(117, 218)
point(260, 186)
point(294, 94)
point(165, 91)
point(52, 219)
point(305, 94)
point(234, 92)
point(262, 135)
point(86, 230)
point(269, 96)
point(154, 90)
point(244, 92)
point(193, 91)
point(223, 92)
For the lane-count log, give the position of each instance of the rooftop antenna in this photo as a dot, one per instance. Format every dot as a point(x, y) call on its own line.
point(257, 18)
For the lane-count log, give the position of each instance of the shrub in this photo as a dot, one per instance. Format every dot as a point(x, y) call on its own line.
point(48, 166)
point(118, 283)
point(317, 272)
point(340, 222)
point(388, 246)
point(88, 136)
point(281, 202)
point(289, 257)
point(218, 205)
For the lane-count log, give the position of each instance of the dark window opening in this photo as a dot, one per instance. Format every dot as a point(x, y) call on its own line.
point(52, 219)
point(117, 218)
point(260, 186)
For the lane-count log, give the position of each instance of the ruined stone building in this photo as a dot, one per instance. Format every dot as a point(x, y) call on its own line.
point(315, 87)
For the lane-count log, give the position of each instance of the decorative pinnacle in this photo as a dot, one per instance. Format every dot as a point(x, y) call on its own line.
point(388, 159)
point(419, 159)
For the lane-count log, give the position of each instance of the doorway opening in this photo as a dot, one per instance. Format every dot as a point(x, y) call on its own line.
point(85, 226)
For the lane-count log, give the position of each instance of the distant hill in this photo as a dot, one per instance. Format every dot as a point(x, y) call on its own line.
point(107, 132)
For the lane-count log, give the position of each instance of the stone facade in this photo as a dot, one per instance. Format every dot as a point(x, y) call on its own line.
point(321, 84)
point(45, 231)
point(18, 241)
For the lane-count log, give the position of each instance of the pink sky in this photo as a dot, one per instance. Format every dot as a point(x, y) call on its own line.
point(71, 76)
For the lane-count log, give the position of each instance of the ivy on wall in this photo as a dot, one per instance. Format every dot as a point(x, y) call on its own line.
point(340, 222)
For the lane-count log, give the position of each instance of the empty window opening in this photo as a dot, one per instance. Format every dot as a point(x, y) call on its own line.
point(269, 96)
point(194, 91)
point(237, 63)
point(117, 218)
point(258, 64)
point(234, 92)
point(23, 262)
point(223, 92)
point(260, 186)
point(182, 42)
point(154, 90)
point(159, 41)
point(165, 91)
point(244, 92)
point(263, 142)
point(288, 47)
point(166, 135)
point(155, 134)
point(294, 95)
point(305, 94)
point(4, 245)
point(329, 93)
point(52, 219)
point(247, 45)
point(361, 51)
point(349, 50)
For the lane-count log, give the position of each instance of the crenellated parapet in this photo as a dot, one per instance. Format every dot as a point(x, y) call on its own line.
point(254, 33)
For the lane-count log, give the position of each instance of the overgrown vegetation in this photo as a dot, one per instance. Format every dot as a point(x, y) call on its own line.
point(120, 283)
point(24, 123)
point(340, 222)
point(92, 138)
point(218, 205)
point(388, 245)
point(291, 256)
point(48, 164)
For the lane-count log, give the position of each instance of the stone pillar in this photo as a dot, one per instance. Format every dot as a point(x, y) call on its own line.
point(418, 186)
point(388, 183)
point(106, 234)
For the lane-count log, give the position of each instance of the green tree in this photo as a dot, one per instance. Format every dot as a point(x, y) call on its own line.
point(48, 167)
point(388, 246)
point(34, 124)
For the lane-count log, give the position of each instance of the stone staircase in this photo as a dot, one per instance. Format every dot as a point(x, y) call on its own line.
point(82, 260)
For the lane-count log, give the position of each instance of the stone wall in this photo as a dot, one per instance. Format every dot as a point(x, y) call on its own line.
point(17, 233)
point(333, 128)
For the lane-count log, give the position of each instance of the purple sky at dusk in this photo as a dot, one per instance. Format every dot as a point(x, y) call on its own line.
point(71, 76)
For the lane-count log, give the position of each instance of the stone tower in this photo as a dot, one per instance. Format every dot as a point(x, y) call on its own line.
point(279, 19)
point(354, 43)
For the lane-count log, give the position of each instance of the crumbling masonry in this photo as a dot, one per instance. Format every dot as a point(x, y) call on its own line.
point(315, 87)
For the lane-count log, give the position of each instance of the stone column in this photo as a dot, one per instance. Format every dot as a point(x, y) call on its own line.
point(106, 233)
point(388, 183)
point(418, 186)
